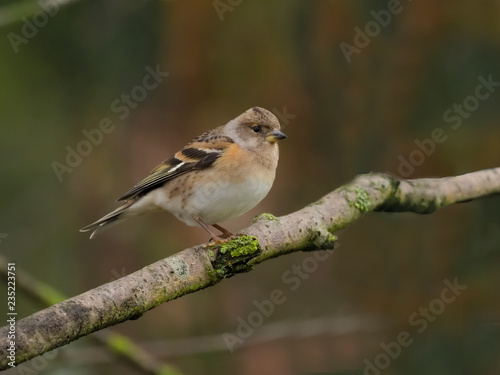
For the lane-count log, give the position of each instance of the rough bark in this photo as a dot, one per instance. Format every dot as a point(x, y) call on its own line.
point(194, 269)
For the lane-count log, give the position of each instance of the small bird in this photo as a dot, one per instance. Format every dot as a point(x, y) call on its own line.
point(217, 176)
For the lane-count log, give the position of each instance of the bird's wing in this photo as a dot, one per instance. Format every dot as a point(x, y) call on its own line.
point(199, 154)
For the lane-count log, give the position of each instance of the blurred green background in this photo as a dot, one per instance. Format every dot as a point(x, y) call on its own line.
point(409, 67)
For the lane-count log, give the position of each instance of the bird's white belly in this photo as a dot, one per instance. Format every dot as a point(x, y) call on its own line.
point(215, 204)
point(214, 201)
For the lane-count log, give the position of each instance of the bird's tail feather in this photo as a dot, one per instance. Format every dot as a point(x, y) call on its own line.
point(105, 222)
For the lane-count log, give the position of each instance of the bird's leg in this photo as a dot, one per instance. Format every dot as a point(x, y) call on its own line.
point(202, 224)
point(225, 232)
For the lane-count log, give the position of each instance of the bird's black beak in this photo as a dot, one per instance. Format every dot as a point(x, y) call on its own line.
point(275, 136)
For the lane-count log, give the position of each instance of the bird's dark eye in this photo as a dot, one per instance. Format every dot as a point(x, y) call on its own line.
point(256, 128)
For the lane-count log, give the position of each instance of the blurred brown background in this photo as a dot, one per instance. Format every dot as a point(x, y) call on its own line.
point(412, 67)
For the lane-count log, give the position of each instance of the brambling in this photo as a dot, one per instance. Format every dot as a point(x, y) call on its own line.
point(217, 176)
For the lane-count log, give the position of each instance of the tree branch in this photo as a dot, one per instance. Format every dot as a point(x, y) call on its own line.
point(116, 343)
point(192, 269)
point(285, 329)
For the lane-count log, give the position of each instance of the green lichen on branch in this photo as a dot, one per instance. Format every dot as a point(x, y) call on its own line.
point(362, 201)
point(240, 246)
point(265, 217)
point(233, 255)
point(320, 240)
point(329, 242)
point(308, 229)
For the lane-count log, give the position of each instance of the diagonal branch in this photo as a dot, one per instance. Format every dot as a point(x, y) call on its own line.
point(192, 269)
point(116, 343)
